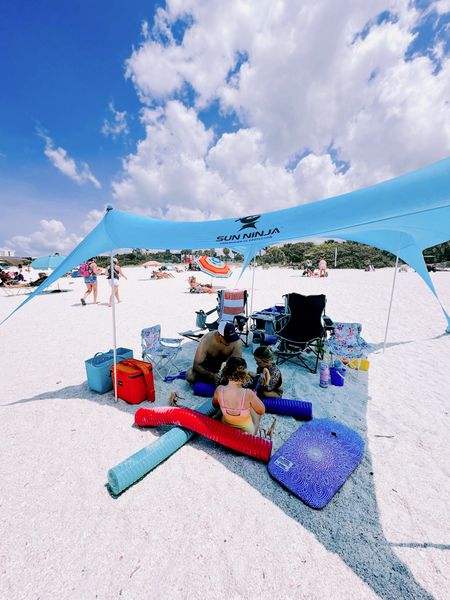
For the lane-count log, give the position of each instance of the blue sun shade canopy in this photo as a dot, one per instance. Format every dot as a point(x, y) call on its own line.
point(404, 216)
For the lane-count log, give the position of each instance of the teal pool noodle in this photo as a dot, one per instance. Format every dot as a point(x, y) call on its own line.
point(142, 462)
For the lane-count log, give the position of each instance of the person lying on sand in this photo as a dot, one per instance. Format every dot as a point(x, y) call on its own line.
point(199, 288)
point(161, 275)
point(25, 284)
point(214, 348)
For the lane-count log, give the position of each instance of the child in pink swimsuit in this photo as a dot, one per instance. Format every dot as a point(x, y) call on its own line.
point(241, 407)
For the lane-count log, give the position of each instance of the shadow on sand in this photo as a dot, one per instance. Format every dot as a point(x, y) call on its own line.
point(349, 525)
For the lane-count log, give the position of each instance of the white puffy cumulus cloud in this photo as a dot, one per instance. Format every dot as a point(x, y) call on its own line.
point(441, 6)
point(178, 172)
point(50, 238)
point(53, 236)
point(117, 125)
point(61, 160)
point(92, 220)
point(324, 97)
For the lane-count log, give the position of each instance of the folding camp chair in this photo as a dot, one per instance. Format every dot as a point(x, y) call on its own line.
point(346, 342)
point(305, 330)
point(231, 306)
point(161, 352)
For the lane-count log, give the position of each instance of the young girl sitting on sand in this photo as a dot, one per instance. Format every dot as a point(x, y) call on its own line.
point(241, 408)
point(267, 374)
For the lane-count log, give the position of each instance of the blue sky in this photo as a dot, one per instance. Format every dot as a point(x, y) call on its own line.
point(170, 110)
point(63, 63)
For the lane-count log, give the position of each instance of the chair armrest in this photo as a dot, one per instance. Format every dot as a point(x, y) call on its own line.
point(329, 323)
point(171, 341)
point(280, 322)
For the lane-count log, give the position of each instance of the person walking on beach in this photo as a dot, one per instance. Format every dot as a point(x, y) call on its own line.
point(113, 276)
point(90, 270)
point(241, 408)
point(214, 348)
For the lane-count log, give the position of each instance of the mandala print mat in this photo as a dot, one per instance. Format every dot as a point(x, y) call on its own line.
point(317, 460)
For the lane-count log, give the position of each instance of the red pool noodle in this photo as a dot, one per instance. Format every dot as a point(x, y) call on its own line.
point(214, 430)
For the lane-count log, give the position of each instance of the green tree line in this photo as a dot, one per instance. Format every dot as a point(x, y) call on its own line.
point(350, 255)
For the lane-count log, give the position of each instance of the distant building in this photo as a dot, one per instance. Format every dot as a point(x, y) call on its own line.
point(7, 252)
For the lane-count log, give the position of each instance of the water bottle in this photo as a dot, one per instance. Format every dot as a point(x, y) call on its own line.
point(324, 374)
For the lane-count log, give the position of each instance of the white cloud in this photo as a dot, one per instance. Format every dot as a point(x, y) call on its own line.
point(60, 159)
point(317, 177)
point(118, 126)
point(169, 165)
point(92, 220)
point(441, 6)
point(304, 78)
point(52, 237)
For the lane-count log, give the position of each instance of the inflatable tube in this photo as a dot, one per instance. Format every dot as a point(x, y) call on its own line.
point(139, 464)
point(218, 432)
point(292, 408)
point(203, 389)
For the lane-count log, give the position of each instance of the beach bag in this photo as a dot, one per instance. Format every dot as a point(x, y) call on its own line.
point(98, 369)
point(200, 319)
point(85, 270)
point(134, 381)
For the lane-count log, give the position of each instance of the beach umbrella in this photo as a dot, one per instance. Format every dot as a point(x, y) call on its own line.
point(152, 263)
point(47, 262)
point(213, 266)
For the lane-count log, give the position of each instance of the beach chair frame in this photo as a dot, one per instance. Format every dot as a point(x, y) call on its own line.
point(236, 314)
point(161, 352)
point(304, 332)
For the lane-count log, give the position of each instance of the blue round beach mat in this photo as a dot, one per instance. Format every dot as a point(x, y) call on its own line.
point(317, 460)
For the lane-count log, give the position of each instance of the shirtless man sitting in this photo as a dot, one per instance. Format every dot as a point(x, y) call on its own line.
point(214, 349)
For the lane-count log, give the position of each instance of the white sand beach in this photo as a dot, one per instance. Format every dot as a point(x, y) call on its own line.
point(209, 523)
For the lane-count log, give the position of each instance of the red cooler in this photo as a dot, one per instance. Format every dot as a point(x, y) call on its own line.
point(134, 381)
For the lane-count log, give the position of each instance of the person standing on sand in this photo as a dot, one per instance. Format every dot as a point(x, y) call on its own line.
point(91, 280)
point(113, 276)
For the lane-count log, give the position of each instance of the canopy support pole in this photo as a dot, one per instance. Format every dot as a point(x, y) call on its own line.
point(390, 303)
point(113, 305)
point(253, 284)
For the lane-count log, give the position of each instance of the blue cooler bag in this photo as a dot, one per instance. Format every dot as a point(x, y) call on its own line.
point(98, 369)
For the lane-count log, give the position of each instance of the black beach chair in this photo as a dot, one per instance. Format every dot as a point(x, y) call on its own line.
point(305, 330)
